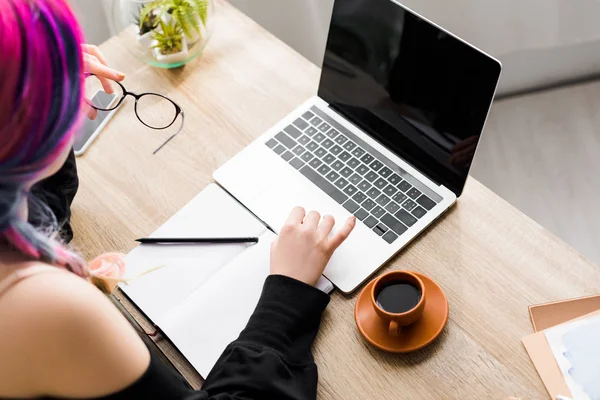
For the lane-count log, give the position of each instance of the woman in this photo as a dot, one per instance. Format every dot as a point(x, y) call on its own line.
point(59, 336)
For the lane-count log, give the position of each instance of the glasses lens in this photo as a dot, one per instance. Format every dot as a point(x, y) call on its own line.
point(102, 93)
point(156, 111)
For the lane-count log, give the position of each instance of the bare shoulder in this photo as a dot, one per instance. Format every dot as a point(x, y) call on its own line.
point(65, 338)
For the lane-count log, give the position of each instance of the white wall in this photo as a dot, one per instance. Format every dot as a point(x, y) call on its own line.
point(540, 42)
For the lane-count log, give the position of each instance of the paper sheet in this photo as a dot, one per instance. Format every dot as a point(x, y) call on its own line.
point(576, 348)
point(212, 213)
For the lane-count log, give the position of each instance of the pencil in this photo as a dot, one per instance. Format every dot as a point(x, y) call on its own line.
point(198, 240)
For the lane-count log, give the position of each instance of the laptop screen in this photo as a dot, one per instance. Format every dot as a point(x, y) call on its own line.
point(419, 91)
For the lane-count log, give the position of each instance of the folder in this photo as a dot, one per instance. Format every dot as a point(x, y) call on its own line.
point(545, 316)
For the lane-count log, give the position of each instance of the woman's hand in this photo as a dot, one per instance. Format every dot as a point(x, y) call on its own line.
point(303, 248)
point(94, 63)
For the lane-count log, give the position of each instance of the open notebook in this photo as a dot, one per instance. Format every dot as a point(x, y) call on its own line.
point(202, 295)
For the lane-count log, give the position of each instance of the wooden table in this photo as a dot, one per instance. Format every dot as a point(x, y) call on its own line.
point(491, 260)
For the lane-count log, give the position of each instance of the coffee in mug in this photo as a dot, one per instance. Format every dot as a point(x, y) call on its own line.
point(398, 297)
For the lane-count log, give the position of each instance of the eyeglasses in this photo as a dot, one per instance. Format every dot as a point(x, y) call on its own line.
point(152, 109)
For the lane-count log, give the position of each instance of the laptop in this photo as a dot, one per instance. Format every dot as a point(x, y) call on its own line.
point(389, 138)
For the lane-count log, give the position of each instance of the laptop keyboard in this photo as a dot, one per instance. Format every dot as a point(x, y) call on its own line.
point(380, 198)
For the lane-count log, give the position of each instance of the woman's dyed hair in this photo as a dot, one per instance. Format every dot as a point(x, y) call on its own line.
point(41, 93)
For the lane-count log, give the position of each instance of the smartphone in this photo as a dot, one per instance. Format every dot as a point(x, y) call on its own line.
point(91, 129)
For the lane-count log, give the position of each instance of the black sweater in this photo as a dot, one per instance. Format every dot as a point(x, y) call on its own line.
point(271, 359)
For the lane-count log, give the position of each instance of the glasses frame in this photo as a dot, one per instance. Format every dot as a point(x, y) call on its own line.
point(178, 109)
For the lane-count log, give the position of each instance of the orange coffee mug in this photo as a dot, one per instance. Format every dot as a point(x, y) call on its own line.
point(399, 299)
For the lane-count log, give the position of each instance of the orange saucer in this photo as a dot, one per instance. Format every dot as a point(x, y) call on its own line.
point(413, 337)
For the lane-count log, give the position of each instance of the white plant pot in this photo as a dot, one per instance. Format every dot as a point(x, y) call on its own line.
point(145, 40)
point(171, 58)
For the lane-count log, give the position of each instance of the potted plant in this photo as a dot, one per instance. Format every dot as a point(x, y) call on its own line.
point(146, 22)
point(190, 15)
point(169, 44)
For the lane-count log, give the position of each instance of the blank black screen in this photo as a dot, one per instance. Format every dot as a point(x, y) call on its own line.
point(419, 91)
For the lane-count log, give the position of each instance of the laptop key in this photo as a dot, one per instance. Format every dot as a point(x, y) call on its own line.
point(362, 169)
point(346, 172)
point(371, 176)
point(341, 139)
point(324, 169)
point(307, 156)
point(345, 156)
point(298, 150)
point(394, 224)
point(323, 184)
point(304, 140)
point(287, 156)
point(310, 131)
point(376, 165)
point(390, 237)
point(316, 121)
point(394, 179)
point(380, 183)
point(350, 190)
point(413, 193)
point(367, 158)
point(300, 123)
point(382, 200)
point(329, 158)
point(350, 206)
point(308, 115)
point(324, 127)
point(380, 229)
point(373, 193)
point(404, 186)
point(332, 176)
point(406, 218)
point(353, 162)
point(361, 214)
point(271, 143)
point(419, 212)
point(286, 140)
point(358, 152)
point(370, 221)
point(409, 205)
point(390, 190)
point(364, 186)
point(341, 183)
point(426, 202)
point(392, 207)
point(319, 137)
point(337, 165)
point(335, 150)
point(312, 146)
point(399, 197)
point(315, 163)
point(293, 131)
point(359, 197)
point(378, 212)
point(385, 172)
point(327, 143)
point(279, 149)
point(355, 179)
point(296, 163)
point(349, 145)
point(320, 152)
point(368, 204)
point(332, 133)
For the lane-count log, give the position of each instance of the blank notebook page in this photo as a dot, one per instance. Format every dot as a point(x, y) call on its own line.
point(183, 268)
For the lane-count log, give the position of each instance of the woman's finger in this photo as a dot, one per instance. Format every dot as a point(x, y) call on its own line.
point(296, 216)
point(93, 66)
point(106, 85)
point(92, 113)
point(342, 234)
point(95, 51)
point(312, 220)
point(326, 226)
